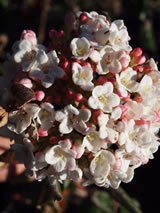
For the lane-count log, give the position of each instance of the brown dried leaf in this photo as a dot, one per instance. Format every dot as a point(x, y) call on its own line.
point(3, 116)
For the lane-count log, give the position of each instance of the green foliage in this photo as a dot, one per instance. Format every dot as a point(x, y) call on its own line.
point(4, 3)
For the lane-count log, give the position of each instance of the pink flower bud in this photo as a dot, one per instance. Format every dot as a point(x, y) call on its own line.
point(141, 122)
point(61, 34)
point(102, 80)
point(140, 59)
point(78, 148)
point(65, 65)
point(39, 95)
point(138, 98)
point(53, 34)
point(79, 97)
point(42, 133)
point(123, 108)
point(26, 82)
point(53, 140)
point(83, 18)
point(148, 69)
point(138, 68)
point(30, 36)
point(137, 52)
point(96, 114)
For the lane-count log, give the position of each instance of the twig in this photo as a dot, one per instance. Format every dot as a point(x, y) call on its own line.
point(43, 20)
point(121, 196)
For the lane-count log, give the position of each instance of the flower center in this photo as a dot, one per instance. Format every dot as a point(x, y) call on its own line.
point(103, 99)
point(133, 136)
point(92, 136)
point(83, 76)
point(60, 153)
point(45, 114)
point(117, 40)
point(73, 118)
point(108, 59)
point(125, 82)
point(80, 51)
point(30, 55)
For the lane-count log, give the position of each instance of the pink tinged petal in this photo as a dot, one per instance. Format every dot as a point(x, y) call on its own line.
point(65, 126)
point(60, 165)
point(93, 103)
point(79, 149)
point(70, 164)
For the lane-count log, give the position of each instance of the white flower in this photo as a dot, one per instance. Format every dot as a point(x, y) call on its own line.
point(103, 98)
point(82, 76)
point(45, 116)
point(20, 120)
point(134, 110)
point(72, 118)
point(112, 61)
point(127, 81)
point(47, 72)
point(94, 23)
point(80, 48)
point(145, 87)
point(93, 142)
point(29, 54)
point(61, 156)
point(101, 164)
point(118, 36)
point(135, 137)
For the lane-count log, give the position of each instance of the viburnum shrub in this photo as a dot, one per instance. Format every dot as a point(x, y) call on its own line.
point(87, 107)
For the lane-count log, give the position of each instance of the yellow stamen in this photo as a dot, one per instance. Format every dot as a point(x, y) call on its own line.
point(108, 59)
point(83, 76)
point(133, 136)
point(103, 99)
point(125, 82)
point(92, 136)
point(80, 51)
point(117, 40)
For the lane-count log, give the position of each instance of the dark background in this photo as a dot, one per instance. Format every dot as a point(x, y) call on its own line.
point(142, 18)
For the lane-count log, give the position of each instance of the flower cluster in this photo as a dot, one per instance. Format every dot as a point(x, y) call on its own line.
point(87, 107)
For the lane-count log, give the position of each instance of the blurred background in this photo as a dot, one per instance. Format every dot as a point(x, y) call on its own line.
point(18, 194)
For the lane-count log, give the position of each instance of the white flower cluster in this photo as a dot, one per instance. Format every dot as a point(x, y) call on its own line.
point(94, 111)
